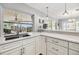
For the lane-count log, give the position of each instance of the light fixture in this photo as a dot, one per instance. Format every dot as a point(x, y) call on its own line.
point(65, 12)
point(47, 13)
point(16, 17)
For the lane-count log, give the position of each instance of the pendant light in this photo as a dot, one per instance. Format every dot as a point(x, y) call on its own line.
point(47, 13)
point(65, 12)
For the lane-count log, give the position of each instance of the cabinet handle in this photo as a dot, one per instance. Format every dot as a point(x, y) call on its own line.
point(55, 49)
point(54, 41)
point(21, 51)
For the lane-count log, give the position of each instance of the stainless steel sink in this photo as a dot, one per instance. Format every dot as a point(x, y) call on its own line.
point(11, 37)
point(25, 35)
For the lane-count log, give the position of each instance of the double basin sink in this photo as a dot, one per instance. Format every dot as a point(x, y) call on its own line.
point(10, 37)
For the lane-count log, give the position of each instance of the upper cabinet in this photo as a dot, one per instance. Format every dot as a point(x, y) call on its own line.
point(12, 15)
point(9, 15)
point(16, 21)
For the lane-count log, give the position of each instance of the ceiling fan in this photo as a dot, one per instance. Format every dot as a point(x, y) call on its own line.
point(65, 12)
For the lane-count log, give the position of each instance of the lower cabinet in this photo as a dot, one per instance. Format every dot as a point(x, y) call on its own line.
point(23, 47)
point(29, 47)
point(15, 51)
point(50, 52)
point(72, 52)
point(57, 46)
point(73, 48)
point(54, 47)
point(29, 50)
point(40, 45)
point(43, 45)
point(12, 48)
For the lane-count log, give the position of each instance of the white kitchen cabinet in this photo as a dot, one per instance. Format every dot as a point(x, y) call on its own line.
point(55, 46)
point(11, 48)
point(29, 46)
point(29, 50)
point(57, 49)
point(15, 51)
point(72, 52)
point(43, 45)
point(38, 45)
point(49, 52)
point(9, 15)
point(73, 48)
point(57, 41)
point(34, 45)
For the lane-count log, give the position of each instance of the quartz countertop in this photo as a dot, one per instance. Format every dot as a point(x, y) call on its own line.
point(32, 34)
point(54, 35)
point(62, 36)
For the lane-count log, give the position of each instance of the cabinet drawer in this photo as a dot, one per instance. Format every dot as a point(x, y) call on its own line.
point(16, 51)
point(71, 52)
point(29, 45)
point(28, 41)
point(74, 46)
point(29, 50)
point(58, 41)
point(57, 49)
point(49, 52)
point(9, 46)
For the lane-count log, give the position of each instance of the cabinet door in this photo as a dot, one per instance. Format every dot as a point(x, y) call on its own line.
point(16, 51)
point(57, 41)
point(10, 46)
point(38, 45)
point(73, 48)
point(56, 47)
point(43, 45)
point(49, 52)
point(72, 52)
point(29, 46)
point(29, 49)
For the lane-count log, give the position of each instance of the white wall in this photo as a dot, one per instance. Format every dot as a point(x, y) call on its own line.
point(1, 25)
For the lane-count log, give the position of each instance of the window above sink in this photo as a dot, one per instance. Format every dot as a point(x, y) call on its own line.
point(16, 21)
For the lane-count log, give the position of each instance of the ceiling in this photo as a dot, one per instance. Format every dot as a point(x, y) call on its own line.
point(57, 9)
